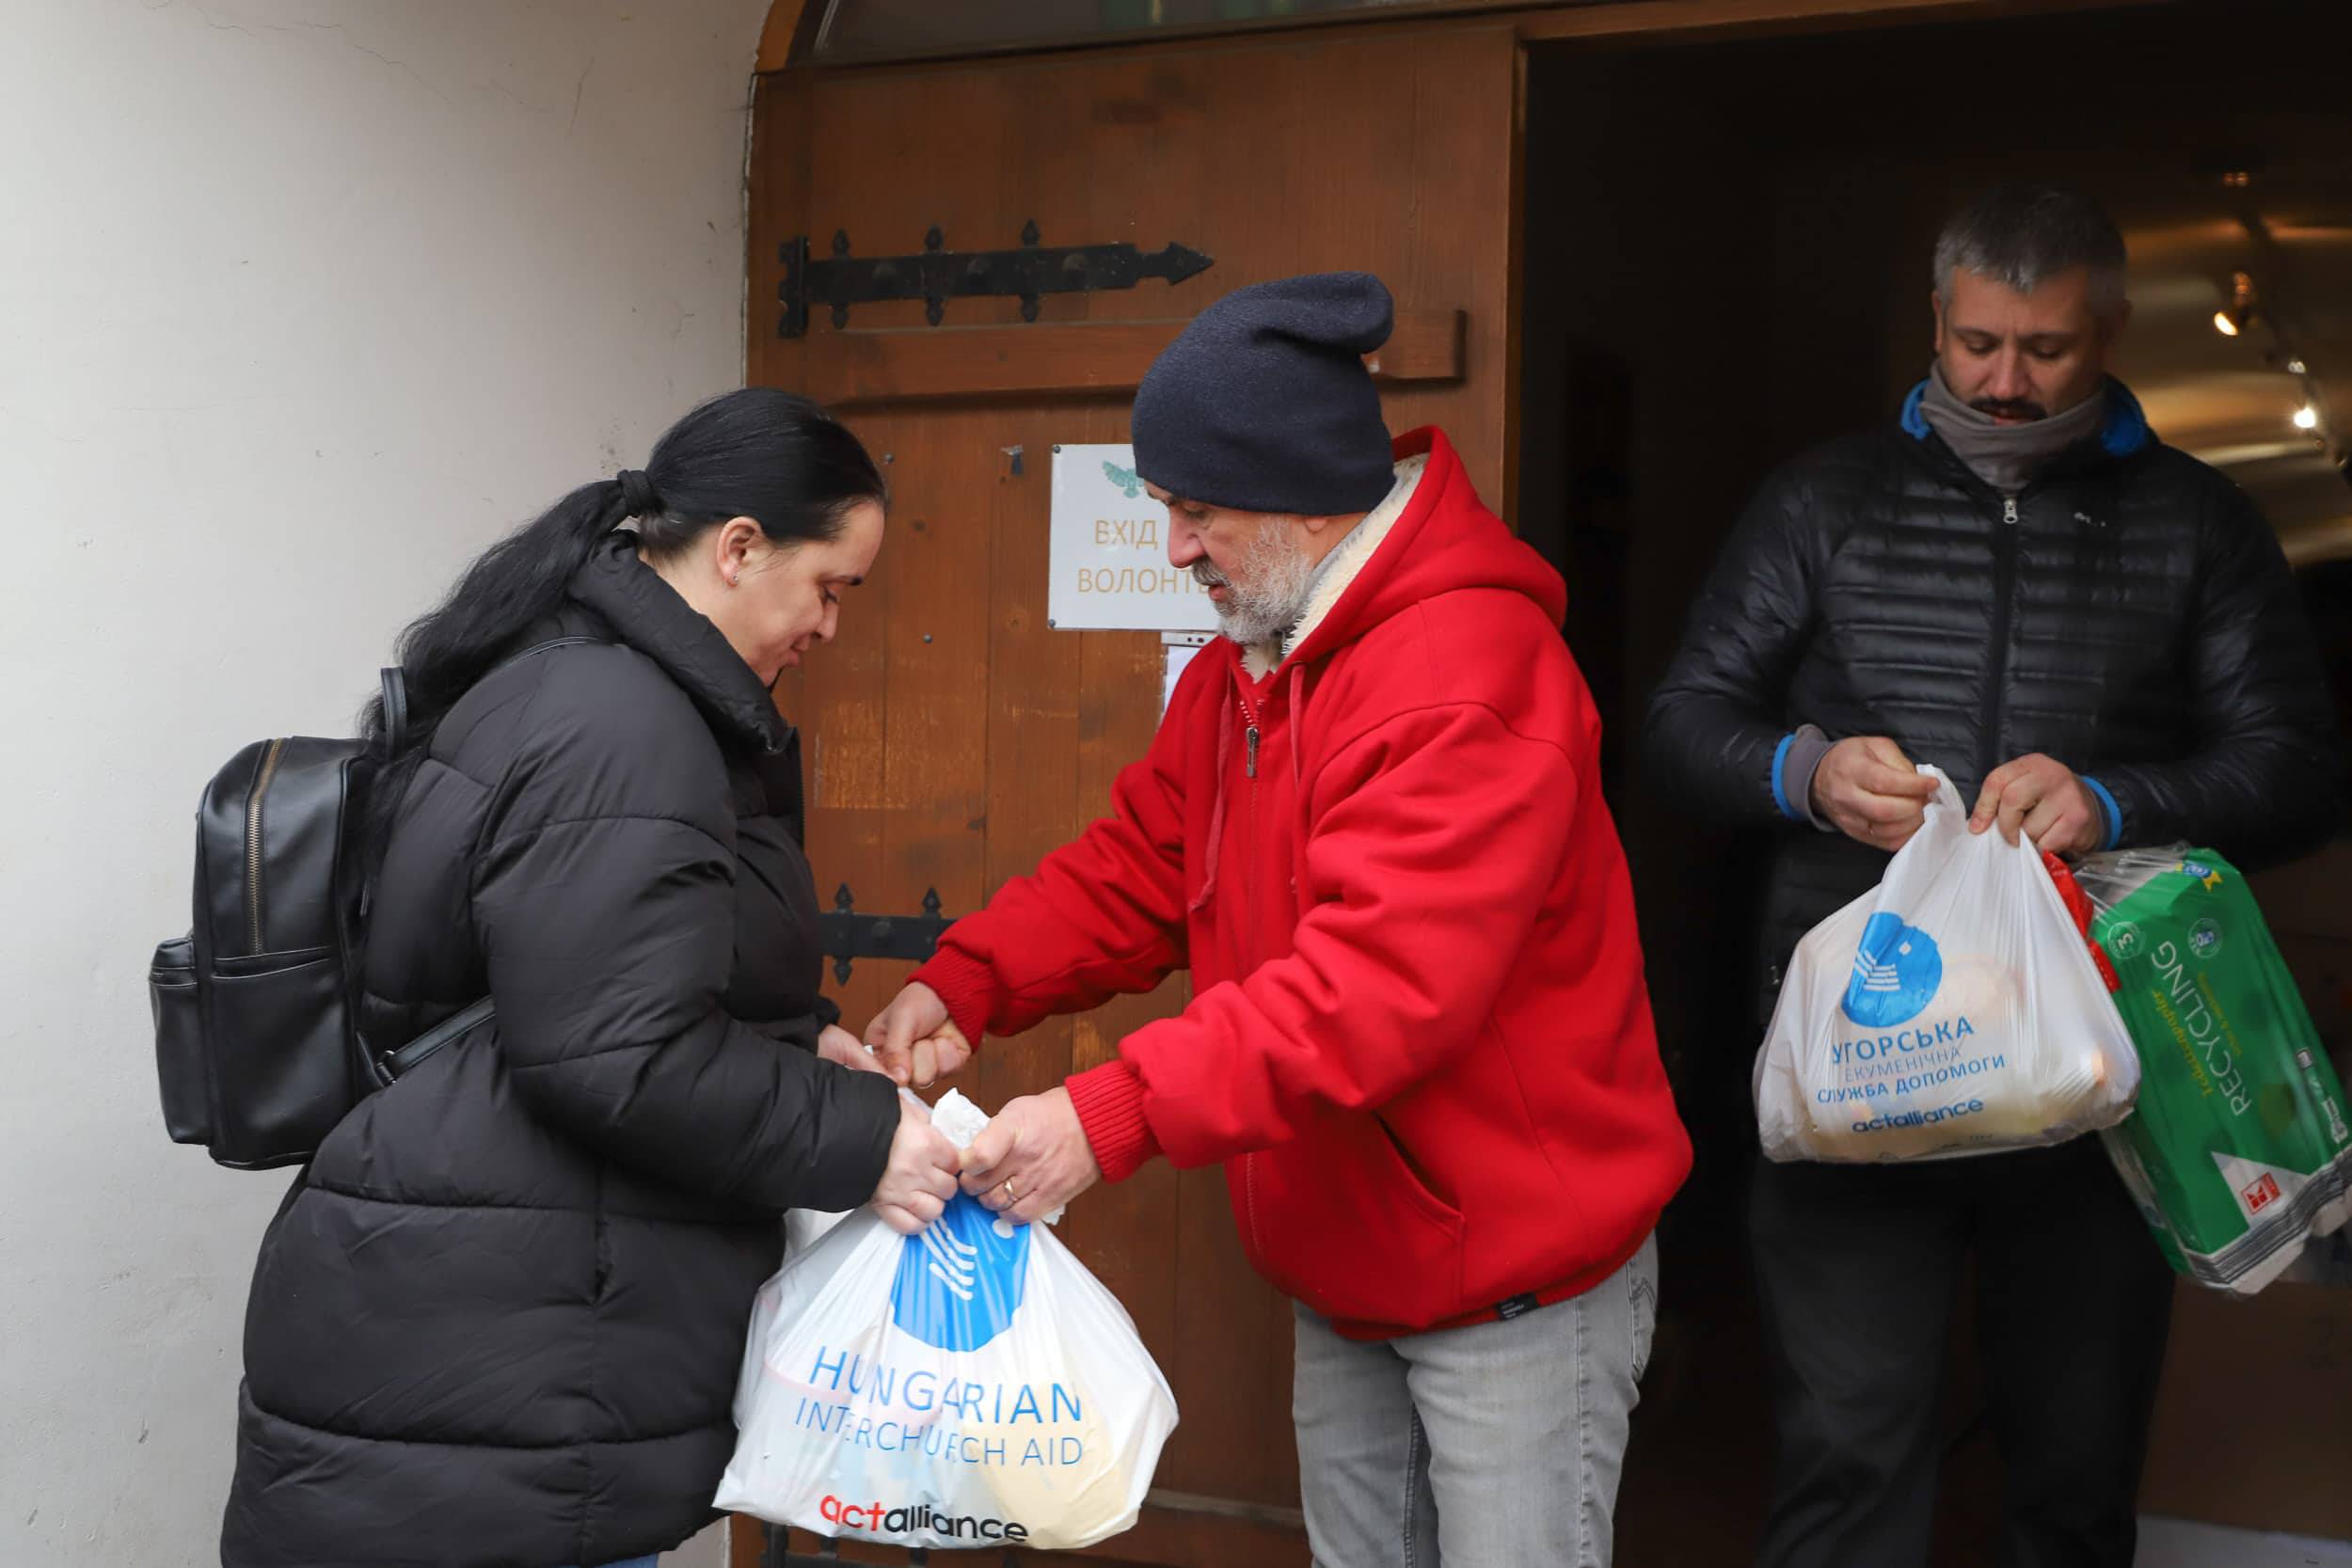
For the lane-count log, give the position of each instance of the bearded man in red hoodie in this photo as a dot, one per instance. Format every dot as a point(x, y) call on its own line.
point(1371, 825)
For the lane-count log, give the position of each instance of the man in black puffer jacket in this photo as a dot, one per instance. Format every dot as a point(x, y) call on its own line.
point(2097, 638)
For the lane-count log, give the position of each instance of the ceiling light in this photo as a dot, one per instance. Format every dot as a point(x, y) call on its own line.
point(2233, 318)
point(2307, 418)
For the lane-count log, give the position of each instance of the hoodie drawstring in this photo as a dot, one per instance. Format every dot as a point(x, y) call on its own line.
point(1224, 764)
point(1217, 812)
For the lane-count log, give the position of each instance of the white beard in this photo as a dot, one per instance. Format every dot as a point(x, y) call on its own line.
point(1280, 581)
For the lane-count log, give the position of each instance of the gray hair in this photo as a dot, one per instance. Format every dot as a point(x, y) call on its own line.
point(2025, 235)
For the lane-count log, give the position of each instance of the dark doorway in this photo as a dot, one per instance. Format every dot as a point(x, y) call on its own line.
point(1726, 263)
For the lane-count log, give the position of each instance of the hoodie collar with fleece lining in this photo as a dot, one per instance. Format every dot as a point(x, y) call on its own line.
point(1442, 540)
point(1339, 569)
point(1433, 535)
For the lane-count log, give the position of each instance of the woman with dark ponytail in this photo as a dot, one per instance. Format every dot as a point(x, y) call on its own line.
point(497, 1323)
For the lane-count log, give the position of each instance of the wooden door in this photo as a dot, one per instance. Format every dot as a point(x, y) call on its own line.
point(952, 736)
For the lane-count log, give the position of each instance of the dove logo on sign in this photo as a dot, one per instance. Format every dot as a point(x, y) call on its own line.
point(961, 1281)
point(1126, 479)
point(1896, 971)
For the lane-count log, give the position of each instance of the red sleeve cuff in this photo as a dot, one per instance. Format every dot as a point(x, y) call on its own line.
point(1109, 1101)
point(967, 986)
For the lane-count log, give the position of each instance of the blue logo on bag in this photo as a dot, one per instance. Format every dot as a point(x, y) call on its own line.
point(961, 1281)
point(1896, 971)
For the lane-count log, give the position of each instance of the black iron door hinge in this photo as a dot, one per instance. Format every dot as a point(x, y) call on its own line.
point(936, 275)
point(847, 935)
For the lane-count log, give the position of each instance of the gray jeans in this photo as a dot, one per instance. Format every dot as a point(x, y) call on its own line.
point(1495, 1446)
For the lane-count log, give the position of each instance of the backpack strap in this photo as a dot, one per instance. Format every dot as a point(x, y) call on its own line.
point(399, 1064)
point(572, 642)
point(395, 682)
point(395, 708)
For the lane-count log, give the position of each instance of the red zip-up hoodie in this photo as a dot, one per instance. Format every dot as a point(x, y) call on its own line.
point(1419, 1038)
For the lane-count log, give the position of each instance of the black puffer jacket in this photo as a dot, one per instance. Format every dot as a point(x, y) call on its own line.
point(498, 1321)
point(2135, 619)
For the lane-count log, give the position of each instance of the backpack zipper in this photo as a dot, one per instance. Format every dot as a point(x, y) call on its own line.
point(253, 841)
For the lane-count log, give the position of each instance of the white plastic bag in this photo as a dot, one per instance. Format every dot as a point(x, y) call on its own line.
point(804, 1227)
point(971, 1387)
point(1955, 1010)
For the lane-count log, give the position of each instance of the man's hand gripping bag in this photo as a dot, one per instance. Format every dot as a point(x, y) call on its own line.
point(1955, 1010)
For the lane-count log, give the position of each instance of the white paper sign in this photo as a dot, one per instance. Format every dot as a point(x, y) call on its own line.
point(1108, 568)
point(1176, 649)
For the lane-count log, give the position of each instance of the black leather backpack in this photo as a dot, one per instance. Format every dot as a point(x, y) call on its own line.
point(257, 1039)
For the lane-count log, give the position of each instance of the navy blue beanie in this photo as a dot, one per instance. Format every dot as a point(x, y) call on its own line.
point(1264, 403)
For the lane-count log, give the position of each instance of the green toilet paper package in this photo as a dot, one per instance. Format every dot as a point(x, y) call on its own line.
point(2238, 1152)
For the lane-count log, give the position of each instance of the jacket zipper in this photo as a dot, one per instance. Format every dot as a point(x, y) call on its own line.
point(2004, 575)
point(253, 843)
point(1250, 736)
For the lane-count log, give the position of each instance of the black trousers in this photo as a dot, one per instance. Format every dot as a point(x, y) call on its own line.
point(1859, 1266)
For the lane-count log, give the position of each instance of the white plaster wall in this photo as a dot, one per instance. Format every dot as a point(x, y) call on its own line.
point(302, 302)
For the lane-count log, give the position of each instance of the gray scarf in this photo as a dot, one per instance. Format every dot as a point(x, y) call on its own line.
point(2007, 456)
